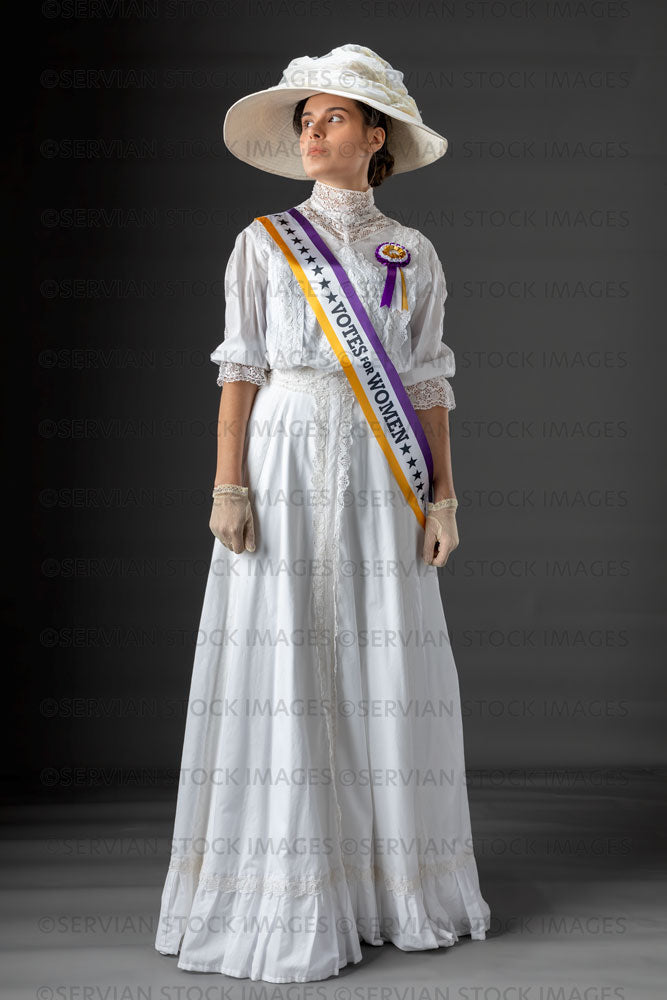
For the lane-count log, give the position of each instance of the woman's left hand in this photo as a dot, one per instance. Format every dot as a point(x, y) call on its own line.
point(441, 536)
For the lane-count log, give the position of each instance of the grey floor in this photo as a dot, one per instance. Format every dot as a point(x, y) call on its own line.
point(572, 866)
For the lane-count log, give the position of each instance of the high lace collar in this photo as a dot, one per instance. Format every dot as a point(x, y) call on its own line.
point(343, 205)
point(346, 213)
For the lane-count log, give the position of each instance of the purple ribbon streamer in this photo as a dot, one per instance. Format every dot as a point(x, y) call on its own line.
point(369, 329)
point(389, 285)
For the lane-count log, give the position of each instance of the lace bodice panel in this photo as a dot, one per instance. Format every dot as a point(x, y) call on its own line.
point(268, 323)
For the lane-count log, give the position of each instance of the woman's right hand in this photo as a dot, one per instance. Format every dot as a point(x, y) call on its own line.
point(231, 518)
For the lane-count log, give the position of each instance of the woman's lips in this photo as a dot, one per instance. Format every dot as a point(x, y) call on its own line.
point(315, 152)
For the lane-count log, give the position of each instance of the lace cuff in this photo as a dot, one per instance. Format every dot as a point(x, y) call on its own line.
point(232, 371)
point(431, 392)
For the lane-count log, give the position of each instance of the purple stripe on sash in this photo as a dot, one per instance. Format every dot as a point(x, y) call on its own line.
point(369, 329)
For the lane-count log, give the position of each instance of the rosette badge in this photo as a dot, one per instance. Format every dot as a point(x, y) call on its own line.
point(393, 256)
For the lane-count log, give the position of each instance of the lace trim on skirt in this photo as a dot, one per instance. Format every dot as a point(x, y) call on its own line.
point(401, 885)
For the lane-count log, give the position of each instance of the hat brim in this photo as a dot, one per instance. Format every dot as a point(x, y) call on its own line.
point(258, 130)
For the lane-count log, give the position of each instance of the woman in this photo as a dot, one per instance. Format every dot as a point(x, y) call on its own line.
point(323, 800)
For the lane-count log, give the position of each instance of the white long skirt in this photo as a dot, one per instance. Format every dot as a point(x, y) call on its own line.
point(322, 800)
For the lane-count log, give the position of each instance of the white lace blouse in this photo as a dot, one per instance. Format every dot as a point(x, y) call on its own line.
point(268, 323)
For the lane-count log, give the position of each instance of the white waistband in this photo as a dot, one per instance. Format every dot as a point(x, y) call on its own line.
point(309, 379)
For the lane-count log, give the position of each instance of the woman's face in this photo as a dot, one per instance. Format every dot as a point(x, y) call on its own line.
point(335, 144)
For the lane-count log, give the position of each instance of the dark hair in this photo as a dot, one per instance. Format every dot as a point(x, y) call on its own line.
point(381, 163)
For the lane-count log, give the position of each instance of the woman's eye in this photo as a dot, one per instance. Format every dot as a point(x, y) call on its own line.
point(306, 124)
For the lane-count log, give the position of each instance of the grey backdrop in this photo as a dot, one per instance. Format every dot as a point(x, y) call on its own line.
point(548, 215)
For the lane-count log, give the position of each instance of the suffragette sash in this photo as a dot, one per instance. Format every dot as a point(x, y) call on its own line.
point(369, 369)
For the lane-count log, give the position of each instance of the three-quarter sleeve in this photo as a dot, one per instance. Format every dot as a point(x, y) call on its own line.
point(432, 360)
point(242, 356)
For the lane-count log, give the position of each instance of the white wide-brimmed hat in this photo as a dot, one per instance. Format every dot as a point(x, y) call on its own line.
point(258, 128)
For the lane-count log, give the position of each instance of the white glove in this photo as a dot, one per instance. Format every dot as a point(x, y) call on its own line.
point(231, 518)
point(441, 536)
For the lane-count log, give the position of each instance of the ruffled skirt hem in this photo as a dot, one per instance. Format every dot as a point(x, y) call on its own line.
point(279, 938)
